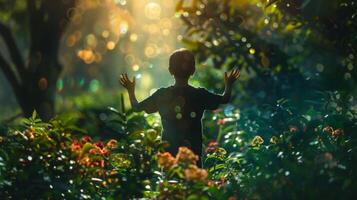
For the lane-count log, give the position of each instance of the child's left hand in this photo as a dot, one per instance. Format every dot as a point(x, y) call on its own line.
point(126, 83)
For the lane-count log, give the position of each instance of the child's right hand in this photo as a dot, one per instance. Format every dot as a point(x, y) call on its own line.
point(126, 83)
point(230, 78)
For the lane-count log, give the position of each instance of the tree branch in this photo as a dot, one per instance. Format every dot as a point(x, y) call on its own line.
point(13, 49)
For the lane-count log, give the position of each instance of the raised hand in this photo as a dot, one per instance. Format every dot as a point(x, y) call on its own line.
point(126, 83)
point(230, 78)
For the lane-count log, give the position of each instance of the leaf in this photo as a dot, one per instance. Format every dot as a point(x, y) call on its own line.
point(34, 115)
point(151, 134)
point(86, 147)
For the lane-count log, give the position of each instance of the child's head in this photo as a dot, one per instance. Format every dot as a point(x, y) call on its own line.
point(182, 64)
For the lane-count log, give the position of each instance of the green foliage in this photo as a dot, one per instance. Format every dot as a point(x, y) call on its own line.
point(284, 153)
point(36, 157)
point(47, 158)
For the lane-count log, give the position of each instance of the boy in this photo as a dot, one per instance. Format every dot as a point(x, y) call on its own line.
point(181, 106)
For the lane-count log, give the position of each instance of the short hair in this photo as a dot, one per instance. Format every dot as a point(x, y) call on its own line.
point(182, 63)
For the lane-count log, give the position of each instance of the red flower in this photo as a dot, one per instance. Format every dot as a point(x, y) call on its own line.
point(210, 149)
point(99, 144)
point(86, 139)
point(102, 163)
point(293, 129)
point(212, 143)
point(94, 151)
point(221, 122)
point(217, 110)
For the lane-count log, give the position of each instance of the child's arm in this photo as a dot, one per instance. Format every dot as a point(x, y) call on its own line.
point(229, 79)
point(130, 86)
point(149, 105)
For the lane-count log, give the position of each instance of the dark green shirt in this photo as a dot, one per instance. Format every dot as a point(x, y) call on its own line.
point(181, 109)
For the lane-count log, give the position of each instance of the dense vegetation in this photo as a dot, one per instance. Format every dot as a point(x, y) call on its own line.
point(288, 133)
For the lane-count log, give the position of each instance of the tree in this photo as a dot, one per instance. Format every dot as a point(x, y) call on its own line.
point(283, 46)
point(34, 78)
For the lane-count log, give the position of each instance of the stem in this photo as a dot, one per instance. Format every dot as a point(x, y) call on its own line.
point(220, 132)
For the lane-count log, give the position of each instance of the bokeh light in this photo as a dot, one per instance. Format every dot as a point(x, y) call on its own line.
point(153, 10)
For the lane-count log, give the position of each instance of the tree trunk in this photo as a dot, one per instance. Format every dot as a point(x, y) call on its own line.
point(40, 88)
point(35, 84)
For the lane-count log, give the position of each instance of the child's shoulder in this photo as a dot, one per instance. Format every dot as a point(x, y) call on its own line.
point(173, 89)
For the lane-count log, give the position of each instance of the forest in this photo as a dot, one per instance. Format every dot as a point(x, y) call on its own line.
point(68, 130)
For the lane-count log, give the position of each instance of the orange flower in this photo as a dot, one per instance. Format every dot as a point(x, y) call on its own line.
point(337, 132)
point(30, 133)
point(165, 160)
point(85, 161)
point(185, 155)
point(75, 146)
point(193, 173)
point(213, 143)
point(112, 144)
point(94, 151)
point(105, 152)
point(334, 133)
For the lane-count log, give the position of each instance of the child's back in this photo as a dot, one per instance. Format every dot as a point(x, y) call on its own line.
point(181, 109)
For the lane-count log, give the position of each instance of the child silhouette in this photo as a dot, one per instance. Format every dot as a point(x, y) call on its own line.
point(181, 106)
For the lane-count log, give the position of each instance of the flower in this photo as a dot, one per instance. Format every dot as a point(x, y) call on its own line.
point(212, 146)
point(327, 157)
point(221, 122)
point(293, 129)
point(217, 110)
point(257, 141)
point(333, 132)
point(165, 160)
point(274, 140)
point(193, 173)
point(186, 156)
point(75, 146)
point(112, 144)
point(328, 129)
point(105, 152)
point(94, 151)
point(213, 143)
point(30, 133)
point(99, 144)
point(86, 139)
point(337, 132)
point(210, 149)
